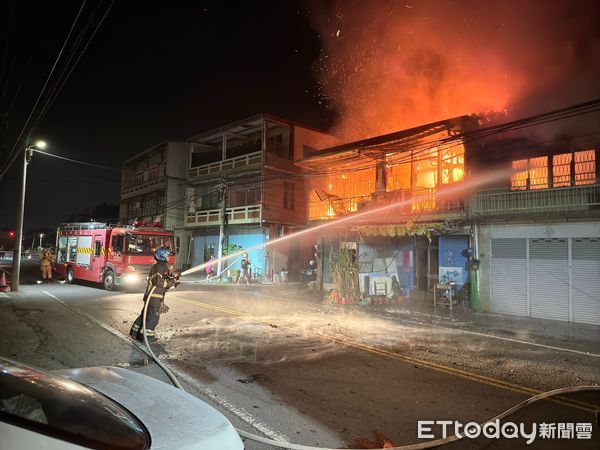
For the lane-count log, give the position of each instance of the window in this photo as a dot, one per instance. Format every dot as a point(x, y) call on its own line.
point(518, 180)
point(289, 194)
point(585, 167)
point(530, 174)
point(278, 145)
point(72, 247)
point(207, 201)
point(244, 197)
point(452, 163)
point(568, 169)
point(154, 172)
point(538, 173)
point(561, 170)
point(146, 244)
point(117, 243)
point(61, 255)
point(139, 178)
point(97, 248)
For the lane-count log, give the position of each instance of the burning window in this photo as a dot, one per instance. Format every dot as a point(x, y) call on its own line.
point(426, 169)
point(585, 167)
point(530, 174)
point(518, 179)
point(398, 175)
point(452, 163)
point(561, 170)
point(340, 192)
point(538, 173)
point(567, 169)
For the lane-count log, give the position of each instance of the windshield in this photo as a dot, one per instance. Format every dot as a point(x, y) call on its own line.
point(65, 409)
point(146, 244)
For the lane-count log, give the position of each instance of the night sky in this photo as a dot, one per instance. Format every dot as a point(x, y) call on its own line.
point(153, 71)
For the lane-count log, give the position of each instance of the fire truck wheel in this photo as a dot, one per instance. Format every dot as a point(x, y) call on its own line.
point(69, 276)
point(109, 280)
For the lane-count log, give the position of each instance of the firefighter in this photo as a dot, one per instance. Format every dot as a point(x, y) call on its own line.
point(160, 279)
point(46, 261)
point(245, 272)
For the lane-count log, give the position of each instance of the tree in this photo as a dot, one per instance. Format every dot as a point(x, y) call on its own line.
point(344, 270)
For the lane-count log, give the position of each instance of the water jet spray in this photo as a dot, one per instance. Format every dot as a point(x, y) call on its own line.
point(466, 186)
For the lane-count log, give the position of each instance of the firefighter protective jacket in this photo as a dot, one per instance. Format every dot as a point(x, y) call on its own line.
point(162, 277)
point(46, 258)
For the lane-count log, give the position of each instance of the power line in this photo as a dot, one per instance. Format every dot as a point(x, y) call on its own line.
point(15, 150)
point(77, 161)
point(53, 95)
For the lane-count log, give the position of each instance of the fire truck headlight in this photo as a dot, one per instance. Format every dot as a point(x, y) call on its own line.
point(131, 278)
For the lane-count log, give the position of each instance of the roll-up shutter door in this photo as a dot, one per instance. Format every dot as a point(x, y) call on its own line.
point(549, 278)
point(586, 280)
point(509, 276)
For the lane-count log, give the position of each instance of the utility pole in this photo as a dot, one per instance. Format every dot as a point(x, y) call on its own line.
point(19, 231)
point(27, 154)
point(222, 227)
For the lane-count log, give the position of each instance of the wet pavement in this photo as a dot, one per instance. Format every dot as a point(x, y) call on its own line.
point(279, 359)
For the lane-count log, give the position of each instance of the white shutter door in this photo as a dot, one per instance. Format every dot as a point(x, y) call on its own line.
point(586, 280)
point(549, 278)
point(509, 276)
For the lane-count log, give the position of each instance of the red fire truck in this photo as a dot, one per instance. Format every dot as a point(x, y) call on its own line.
point(111, 255)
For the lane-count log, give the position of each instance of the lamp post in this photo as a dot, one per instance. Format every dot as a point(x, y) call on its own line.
point(41, 237)
point(27, 154)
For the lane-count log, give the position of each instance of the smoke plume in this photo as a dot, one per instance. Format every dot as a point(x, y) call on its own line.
point(389, 65)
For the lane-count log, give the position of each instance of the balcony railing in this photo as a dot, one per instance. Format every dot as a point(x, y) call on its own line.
point(226, 164)
point(563, 199)
point(399, 203)
point(237, 215)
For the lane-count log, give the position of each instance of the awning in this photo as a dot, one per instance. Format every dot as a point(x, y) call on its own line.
point(408, 229)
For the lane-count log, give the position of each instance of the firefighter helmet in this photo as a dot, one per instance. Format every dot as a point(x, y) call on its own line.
point(162, 254)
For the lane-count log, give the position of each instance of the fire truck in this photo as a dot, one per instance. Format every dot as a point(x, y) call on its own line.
point(108, 254)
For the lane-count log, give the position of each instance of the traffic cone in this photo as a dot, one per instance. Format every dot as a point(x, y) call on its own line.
point(3, 286)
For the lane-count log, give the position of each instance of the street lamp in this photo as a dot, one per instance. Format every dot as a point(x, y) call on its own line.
point(27, 155)
point(41, 237)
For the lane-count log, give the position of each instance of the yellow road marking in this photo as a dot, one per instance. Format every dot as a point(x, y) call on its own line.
point(431, 365)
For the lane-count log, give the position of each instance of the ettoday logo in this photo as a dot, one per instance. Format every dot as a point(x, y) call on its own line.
point(507, 430)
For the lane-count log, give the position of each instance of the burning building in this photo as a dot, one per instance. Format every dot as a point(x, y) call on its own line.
point(424, 204)
point(403, 204)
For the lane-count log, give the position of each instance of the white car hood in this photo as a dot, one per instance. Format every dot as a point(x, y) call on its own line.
point(174, 418)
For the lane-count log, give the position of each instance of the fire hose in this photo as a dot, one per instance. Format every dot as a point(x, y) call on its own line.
point(424, 445)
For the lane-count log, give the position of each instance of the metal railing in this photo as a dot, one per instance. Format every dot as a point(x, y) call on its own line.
point(570, 198)
point(226, 164)
point(407, 202)
point(236, 215)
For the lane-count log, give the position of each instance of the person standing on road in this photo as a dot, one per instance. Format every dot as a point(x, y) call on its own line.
point(46, 262)
point(209, 267)
point(245, 273)
point(160, 280)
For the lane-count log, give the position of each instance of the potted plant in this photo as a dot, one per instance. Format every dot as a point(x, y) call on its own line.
point(344, 271)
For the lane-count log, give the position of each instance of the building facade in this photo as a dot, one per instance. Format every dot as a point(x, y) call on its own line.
point(153, 189)
point(538, 229)
point(420, 205)
point(252, 162)
point(398, 203)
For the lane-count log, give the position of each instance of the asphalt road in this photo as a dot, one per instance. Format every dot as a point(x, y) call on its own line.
point(280, 363)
